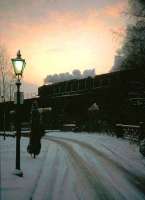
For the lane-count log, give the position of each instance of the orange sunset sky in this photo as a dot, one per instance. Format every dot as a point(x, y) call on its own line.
point(57, 36)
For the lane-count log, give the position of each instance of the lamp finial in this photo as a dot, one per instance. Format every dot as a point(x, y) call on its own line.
point(18, 54)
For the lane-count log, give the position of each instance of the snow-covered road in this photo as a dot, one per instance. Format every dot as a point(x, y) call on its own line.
point(80, 168)
point(74, 167)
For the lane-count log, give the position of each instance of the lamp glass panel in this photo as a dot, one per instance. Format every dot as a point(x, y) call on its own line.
point(18, 64)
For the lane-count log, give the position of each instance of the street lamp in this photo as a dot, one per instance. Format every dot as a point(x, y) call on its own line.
point(18, 65)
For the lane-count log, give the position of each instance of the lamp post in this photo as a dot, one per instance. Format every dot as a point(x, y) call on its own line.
point(4, 117)
point(18, 65)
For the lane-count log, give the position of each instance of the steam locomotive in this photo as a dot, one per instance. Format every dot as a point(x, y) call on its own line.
point(90, 103)
point(116, 97)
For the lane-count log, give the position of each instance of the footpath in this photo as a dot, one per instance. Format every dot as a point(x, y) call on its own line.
point(15, 187)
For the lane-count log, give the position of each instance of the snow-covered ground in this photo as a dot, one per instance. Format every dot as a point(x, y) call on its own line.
point(74, 166)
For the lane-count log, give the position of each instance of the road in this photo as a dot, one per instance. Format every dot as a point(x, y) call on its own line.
point(75, 169)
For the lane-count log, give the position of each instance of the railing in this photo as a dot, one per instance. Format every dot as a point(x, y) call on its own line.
point(129, 131)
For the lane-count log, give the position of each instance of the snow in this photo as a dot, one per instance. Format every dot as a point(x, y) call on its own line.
point(115, 148)
point(73, 166)
point(12, 186)
point(18, 172)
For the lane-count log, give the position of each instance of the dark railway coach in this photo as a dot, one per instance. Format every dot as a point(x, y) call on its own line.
point(97, 102)
point(90, 104)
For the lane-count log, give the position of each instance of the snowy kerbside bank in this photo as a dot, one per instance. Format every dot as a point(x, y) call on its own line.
point(14, 187)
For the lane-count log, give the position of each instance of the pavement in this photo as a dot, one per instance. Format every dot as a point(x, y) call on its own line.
point(13, 186)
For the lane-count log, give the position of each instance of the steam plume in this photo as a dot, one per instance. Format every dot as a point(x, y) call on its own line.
point(76, 74)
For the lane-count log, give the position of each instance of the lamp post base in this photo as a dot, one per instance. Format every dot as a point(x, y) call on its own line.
point(18, 172)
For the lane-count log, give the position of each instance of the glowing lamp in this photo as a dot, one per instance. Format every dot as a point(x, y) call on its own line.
point(18, 64)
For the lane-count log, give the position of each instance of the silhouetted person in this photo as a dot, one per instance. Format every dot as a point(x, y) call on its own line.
point(34, 146)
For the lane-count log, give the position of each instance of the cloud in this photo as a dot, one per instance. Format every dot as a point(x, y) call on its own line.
point(114, 10)
point(54, 21)
point(56, 36)
point(38, 8)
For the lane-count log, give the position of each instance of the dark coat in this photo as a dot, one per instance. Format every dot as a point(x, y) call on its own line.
point(34, 146)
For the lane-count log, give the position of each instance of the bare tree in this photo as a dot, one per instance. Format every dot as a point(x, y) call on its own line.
point(6, 77)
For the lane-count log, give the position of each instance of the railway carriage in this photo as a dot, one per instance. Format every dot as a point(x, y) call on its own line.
point(120, 97)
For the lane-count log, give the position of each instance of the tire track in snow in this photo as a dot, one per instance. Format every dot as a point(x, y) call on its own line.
point(86, 174)
point(38, 177)
point(45, 185)
point(53, 183)
point(53, 177)
point(137, 181)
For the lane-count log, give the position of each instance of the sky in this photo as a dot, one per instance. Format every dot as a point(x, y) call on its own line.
point(58, 36)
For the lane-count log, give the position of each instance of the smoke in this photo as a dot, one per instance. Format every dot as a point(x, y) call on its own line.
point(137, 8)
point(89, 73)
point(76, 74)
point(132, 53)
